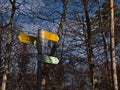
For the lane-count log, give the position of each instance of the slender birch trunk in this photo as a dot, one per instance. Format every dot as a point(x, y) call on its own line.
point(112, 42)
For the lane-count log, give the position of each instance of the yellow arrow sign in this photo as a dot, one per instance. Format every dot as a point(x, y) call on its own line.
point(51, 36)
point(27, 38)
point(30, 39)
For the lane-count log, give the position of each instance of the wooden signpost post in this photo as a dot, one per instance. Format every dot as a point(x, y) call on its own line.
point(40, 48)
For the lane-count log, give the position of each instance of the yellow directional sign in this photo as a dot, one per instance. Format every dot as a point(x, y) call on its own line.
point(30, 39)
point(27, 38)
point(51, 36)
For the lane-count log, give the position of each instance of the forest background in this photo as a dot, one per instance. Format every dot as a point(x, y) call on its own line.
point(88, 49)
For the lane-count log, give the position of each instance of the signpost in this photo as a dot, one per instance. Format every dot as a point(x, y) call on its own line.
point(30, 39)
point(40, 48)
point(51, 36)
point(27, 38)
point(51, 59)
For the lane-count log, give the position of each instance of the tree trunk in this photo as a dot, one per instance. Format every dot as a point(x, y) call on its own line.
point(8, 46)
point(66, 5)
point(105, 60)
point(53, 50)
point(89, 48)
point(112, 42)
point(1, 61)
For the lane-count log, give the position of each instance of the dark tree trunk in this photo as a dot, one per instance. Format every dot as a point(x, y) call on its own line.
point(89, 48)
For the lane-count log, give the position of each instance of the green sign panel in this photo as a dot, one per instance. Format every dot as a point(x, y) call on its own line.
point(51, 59)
